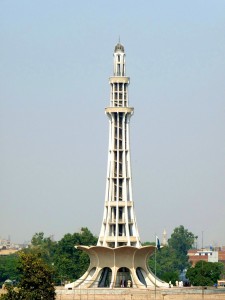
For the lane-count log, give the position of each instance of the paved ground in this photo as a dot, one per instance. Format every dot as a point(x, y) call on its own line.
point(132, 294)
point(145, 294)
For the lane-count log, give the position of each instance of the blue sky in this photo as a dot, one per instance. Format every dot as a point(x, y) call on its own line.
point(55, 61)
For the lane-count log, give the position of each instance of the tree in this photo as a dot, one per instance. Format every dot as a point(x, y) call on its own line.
point(44, 246)
point(35, 282)
point(172, 259)
point(8, 268)
point(38, 239)
point(166, 264)
point(69, 262)
point(205, 273)
point(181, 241)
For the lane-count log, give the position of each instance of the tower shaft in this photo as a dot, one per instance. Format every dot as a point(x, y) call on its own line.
point(119, 226)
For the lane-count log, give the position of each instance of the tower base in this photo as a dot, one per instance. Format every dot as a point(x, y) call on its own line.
point(124, 266)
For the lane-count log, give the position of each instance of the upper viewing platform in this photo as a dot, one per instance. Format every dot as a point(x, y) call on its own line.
point(119, 81)
point(119, 61)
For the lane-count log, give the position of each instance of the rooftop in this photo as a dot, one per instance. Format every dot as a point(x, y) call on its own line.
point(119, 48)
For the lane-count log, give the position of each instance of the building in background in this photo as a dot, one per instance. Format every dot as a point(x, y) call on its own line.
point(7, 247)
point(208, 254)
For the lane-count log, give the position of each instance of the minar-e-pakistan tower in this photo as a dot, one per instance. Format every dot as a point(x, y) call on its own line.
point(118, 260)
point(119, 226)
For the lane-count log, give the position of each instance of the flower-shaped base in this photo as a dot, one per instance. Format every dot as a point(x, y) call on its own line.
point(124, 266)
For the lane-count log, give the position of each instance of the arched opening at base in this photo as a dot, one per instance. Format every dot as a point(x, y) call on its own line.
point(123, 278)
point(140, 274)
point(105, 277)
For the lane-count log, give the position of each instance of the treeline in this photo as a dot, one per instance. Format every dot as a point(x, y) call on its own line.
point(68, 263)
point(172, 261)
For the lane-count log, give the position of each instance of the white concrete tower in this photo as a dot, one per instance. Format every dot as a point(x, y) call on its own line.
point(118, 257)
point(119, 227)
point(164, 238)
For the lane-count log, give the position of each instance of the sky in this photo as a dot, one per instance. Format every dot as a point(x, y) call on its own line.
point(55, 61)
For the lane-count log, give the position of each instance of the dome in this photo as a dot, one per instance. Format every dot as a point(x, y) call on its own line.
point(119, 47)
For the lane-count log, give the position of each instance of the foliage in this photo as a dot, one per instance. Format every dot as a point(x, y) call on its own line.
point(35, 282)
point(205, 273)
point(164, 264)
point(43, 246)
point(172, 259)
point(181, 241)
point(148, 244)
point(70, 263)
point(12, 294)
point(8, 268)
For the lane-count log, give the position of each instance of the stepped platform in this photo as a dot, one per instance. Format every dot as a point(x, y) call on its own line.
point(190, 293)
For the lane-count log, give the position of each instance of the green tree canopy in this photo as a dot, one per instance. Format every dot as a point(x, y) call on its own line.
point(165, 262)
point(181, 241)
point(70, 263)
point(172, 259)
point(38, 239)
point(205, 273)
point(44, 246)
point(35, 282)
point(67, 262)
point(8, 268)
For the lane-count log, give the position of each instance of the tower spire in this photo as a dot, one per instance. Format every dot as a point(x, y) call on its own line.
point(119, 226)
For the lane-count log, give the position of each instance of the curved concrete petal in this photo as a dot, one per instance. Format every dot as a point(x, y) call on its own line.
point(128, 257)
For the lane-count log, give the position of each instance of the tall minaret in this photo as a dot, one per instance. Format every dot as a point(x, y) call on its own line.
point(119, 227)
point(164, 239)
point(118, 257)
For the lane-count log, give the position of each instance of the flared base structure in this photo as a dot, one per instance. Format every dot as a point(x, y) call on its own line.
point(124, 266)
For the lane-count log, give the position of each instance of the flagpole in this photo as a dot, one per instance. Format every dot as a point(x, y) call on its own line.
point(155, 266)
